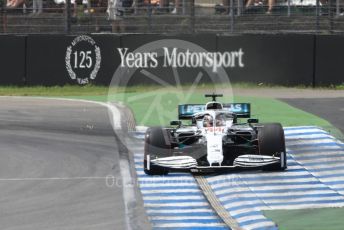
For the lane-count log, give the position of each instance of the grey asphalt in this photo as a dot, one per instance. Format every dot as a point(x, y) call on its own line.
point(54, 159)
point(331, 109)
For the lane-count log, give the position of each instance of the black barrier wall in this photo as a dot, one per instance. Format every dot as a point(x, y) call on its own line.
point(329, 68)
point(273, 59)
point(12, 60)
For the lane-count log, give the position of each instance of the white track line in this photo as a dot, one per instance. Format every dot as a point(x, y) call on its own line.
point(51, 178)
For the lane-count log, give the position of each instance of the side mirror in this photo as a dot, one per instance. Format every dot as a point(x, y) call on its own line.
point(178, 123)
point(252, 120)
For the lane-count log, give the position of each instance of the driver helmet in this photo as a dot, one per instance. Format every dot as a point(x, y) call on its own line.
point(208, 121)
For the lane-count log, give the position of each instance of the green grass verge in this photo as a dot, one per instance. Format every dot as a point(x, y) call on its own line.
point(304, 219)
point(54, 91)
point(75, 90)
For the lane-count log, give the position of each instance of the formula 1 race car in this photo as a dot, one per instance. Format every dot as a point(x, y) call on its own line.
point(214, 141)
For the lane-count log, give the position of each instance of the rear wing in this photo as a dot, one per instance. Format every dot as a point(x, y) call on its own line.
point(186, 112)
point(242, 110)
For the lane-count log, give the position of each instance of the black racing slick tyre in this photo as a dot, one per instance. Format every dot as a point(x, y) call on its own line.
point(157, 144)
point(271, 142)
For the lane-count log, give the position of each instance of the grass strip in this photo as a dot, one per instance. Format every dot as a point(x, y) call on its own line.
point(304, 219)
point(76, 90)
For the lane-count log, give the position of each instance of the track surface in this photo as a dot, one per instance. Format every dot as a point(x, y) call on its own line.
point(331, 109)
point(54, 158)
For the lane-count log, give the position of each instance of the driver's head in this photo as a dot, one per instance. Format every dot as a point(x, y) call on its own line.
point(207, 121)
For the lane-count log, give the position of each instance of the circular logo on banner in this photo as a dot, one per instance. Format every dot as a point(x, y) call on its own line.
point(83, 59)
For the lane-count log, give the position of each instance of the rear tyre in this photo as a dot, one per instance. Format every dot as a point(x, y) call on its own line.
point(271, 142)
point(157, 143)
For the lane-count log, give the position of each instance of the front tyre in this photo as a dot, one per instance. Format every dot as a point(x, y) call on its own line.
point(271, 142)
point(157, 144)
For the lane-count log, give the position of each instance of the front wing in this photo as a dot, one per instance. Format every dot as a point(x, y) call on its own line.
point(188, 163)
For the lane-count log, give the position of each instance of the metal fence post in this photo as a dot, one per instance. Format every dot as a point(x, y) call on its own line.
point(231, 14)
point(317, 16)
point(135, 4)
point(68, 17)
point(240, 7)
point(192, 16)
point(149, 11)
point(4, 19)
point(288, 8)
point(1, 17)
point(330, 14)
point(337, 8)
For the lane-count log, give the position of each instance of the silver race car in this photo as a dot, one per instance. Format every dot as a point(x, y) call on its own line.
point(214, 140)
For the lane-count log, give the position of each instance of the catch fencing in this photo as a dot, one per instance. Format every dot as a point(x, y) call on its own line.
point(179, 16)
